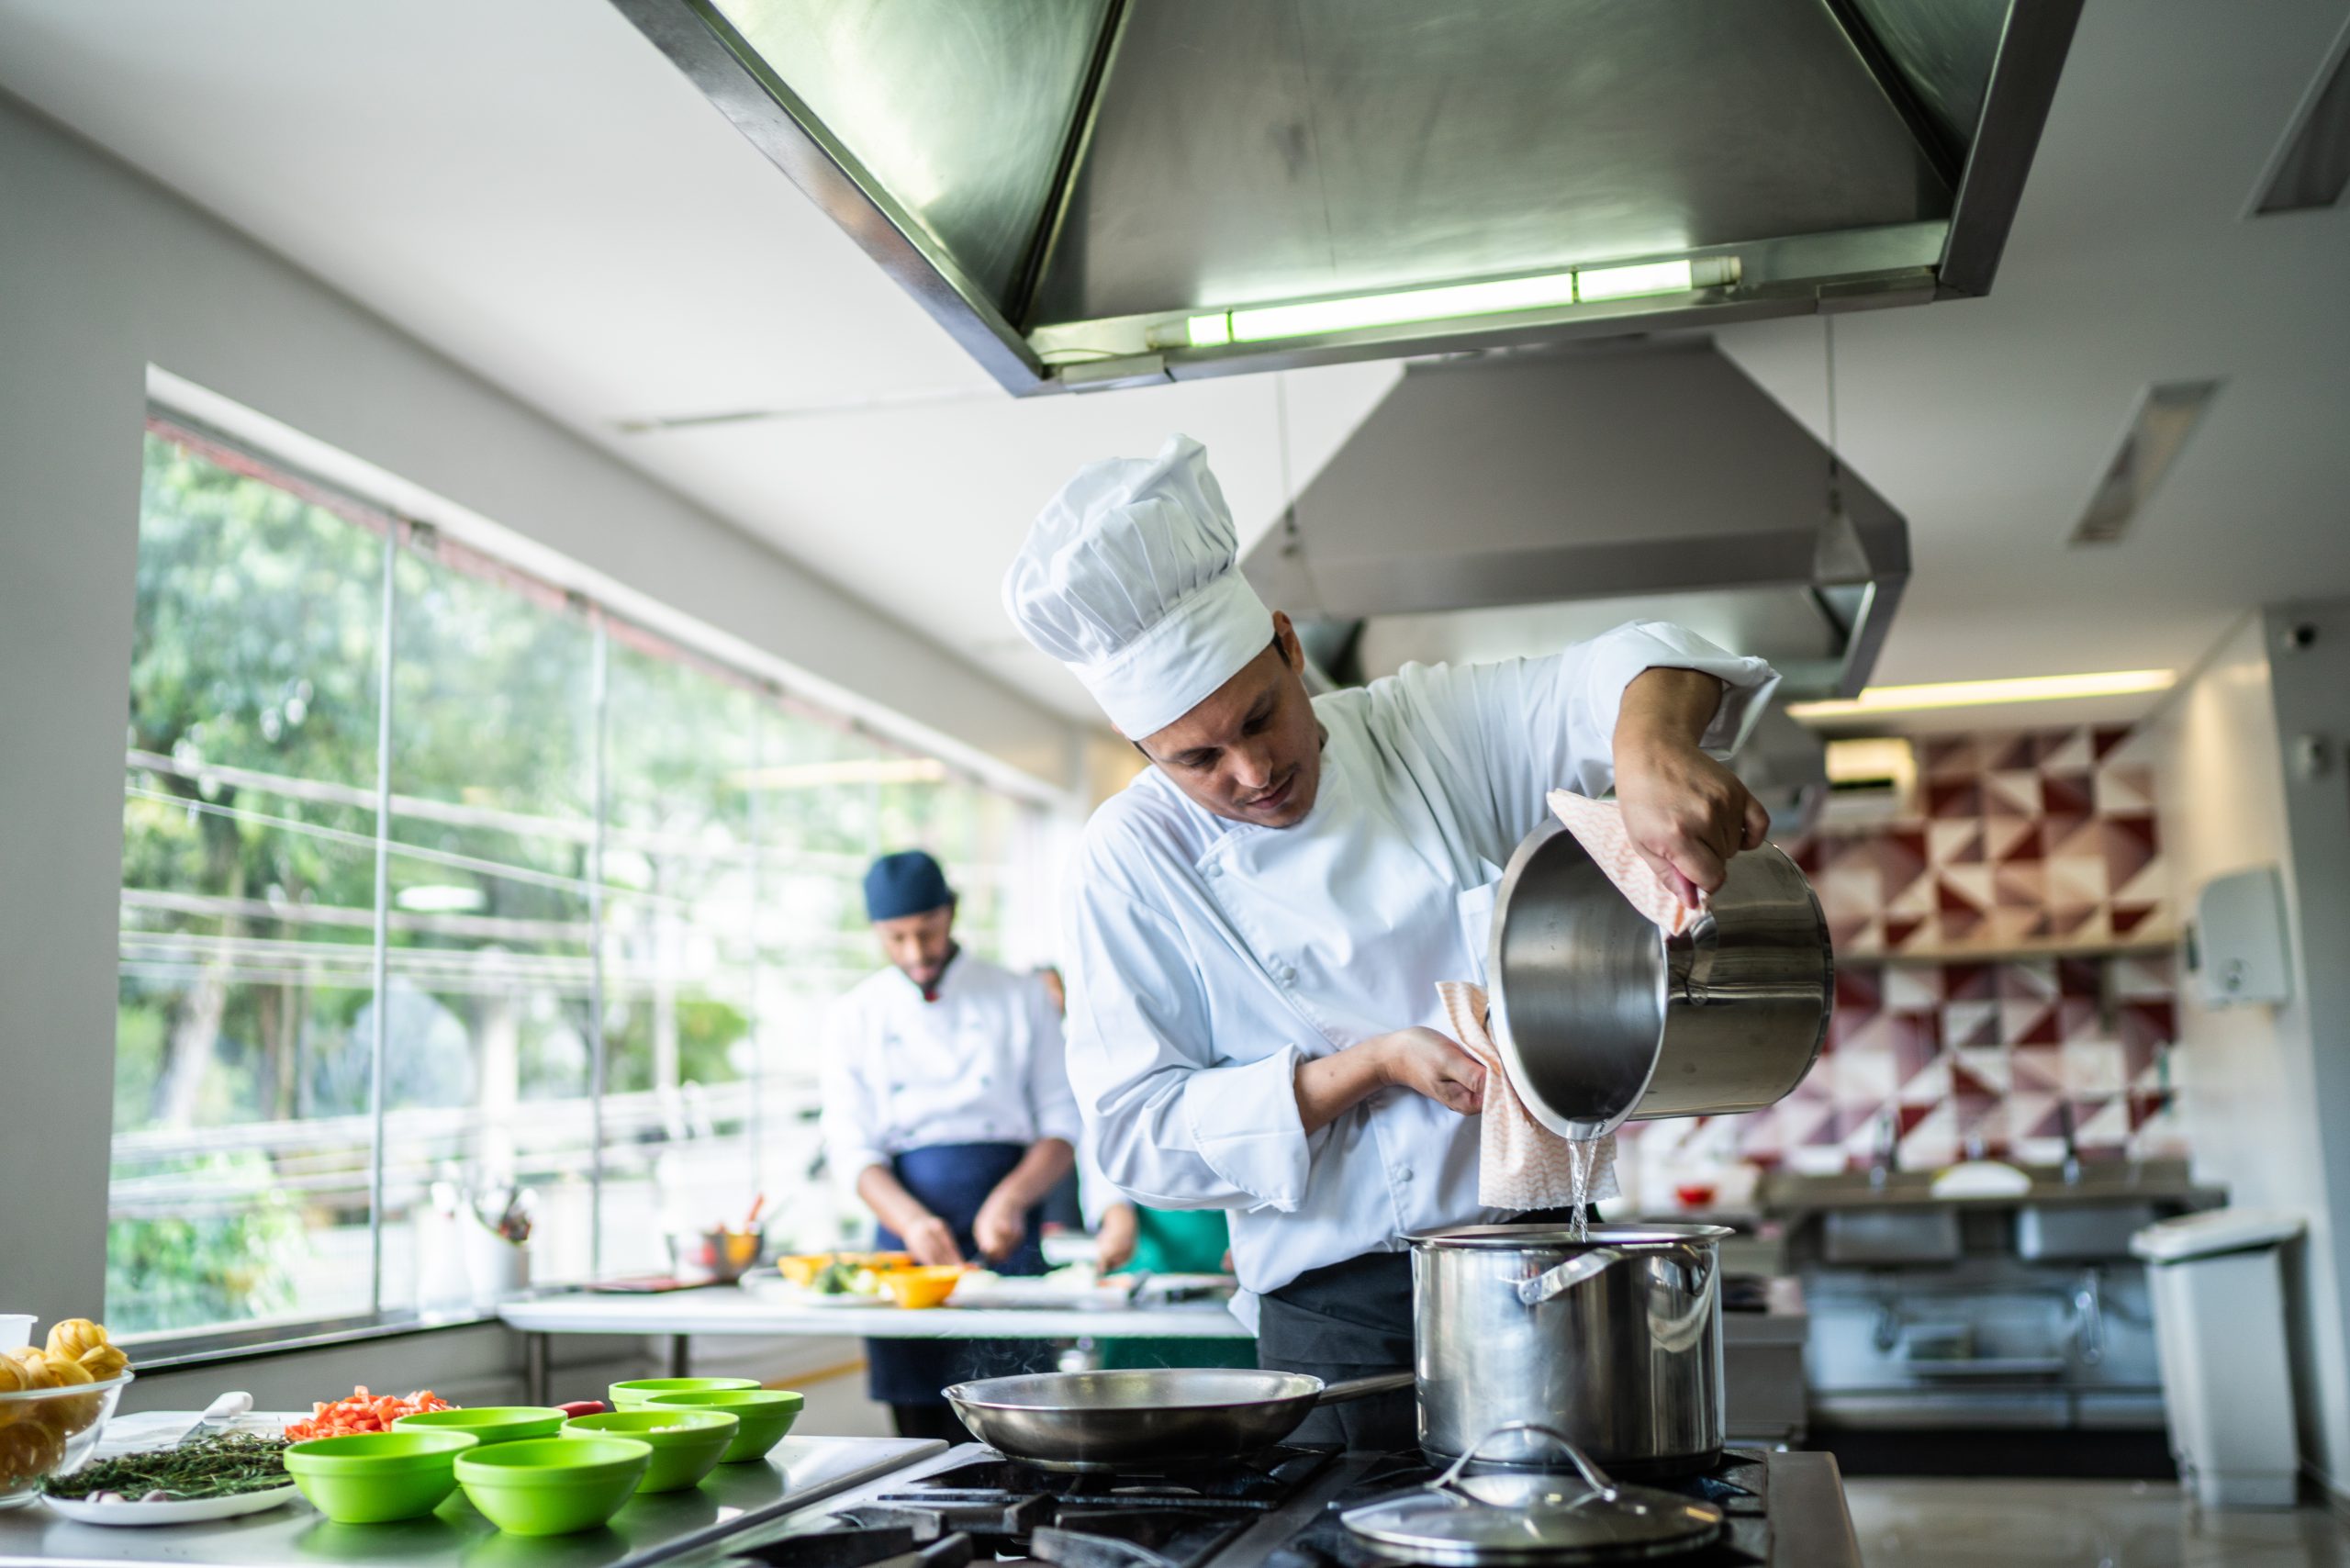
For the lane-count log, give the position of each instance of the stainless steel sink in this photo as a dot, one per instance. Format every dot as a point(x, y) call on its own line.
point(1890, 1234)
point(2079, 1231)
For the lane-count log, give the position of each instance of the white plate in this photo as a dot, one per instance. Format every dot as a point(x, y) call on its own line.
point(193, 1510)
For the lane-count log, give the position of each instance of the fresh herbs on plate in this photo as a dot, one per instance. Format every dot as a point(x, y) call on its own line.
point(223, 1465)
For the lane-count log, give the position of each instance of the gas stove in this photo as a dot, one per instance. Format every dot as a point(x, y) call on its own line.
point(1278, 1509)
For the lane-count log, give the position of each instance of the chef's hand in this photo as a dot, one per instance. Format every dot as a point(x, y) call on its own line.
point(931, 1240)
point(1428, 1063)
point(1001, 1225)
point(1421, 1060)
point(1113, 1244)
point(1684, 814)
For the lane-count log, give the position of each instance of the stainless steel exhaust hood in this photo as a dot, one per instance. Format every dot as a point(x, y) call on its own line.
point(1092, 193)
point(1507, 503)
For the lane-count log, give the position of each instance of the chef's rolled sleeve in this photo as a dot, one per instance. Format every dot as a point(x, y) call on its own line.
point(1174, 1126)
point(1614, 660)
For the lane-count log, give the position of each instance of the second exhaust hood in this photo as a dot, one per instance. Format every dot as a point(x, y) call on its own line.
point(1091, 192)
point(1506, 504)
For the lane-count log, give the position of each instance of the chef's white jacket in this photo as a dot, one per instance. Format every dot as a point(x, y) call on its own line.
point(1211, 958)
point(982, 1064)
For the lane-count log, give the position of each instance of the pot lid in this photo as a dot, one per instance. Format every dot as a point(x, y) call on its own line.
point(1531, 1517)
point(1507, 1236)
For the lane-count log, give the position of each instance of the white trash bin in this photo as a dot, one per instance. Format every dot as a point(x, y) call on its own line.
point(2219, 1294)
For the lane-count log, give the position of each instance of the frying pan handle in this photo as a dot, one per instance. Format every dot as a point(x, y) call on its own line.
point(1364, 1387)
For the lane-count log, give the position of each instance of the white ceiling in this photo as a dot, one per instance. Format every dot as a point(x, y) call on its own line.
point(530, 187)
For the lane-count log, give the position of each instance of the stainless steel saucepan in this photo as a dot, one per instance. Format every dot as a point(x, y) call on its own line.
point(1602, 1018)
point(1160, 1417)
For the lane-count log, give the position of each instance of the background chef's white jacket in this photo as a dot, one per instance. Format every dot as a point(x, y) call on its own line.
point(1212, 956)
point(982, 1064)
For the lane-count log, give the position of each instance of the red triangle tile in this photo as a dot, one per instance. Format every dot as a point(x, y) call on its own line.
point(1954, 798)
point(1970, 982)
point(2129, 918)
point(1898, 929)
point(2106, 739)
point(2068, 795)
point(2007, 753)
point(2080, 977)
point(2055, 832)
point(1951, 900)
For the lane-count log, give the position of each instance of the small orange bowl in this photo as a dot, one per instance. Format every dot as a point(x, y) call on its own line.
point(801, 1268)
point(922, 1287)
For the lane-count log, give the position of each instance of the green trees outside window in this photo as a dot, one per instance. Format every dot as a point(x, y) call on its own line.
point(599, 847)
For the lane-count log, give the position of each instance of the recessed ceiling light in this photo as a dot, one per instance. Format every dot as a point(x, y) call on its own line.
point(2313, 166)
point(2166, 415)
point(1986, 693)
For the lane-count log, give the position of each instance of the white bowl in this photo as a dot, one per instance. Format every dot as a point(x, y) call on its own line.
point(48, 1432)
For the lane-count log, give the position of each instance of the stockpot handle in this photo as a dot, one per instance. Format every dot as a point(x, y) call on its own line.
point(1597, 1478)
point(1558, 1280)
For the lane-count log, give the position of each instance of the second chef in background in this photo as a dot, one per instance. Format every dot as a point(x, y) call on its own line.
point(948, 1104)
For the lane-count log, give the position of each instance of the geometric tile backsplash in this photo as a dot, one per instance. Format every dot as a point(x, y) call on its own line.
point(1973, 1004)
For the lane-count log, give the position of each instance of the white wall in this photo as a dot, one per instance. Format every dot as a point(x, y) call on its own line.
point(102, 274)
point(2262, 1090)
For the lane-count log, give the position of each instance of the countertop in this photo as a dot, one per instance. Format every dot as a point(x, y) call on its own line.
point(800, 1471)
point(2163, 1182)
point(723, 1310)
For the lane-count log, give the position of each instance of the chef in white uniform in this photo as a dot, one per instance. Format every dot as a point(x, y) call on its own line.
point(1258, 924)
point(947, 1107)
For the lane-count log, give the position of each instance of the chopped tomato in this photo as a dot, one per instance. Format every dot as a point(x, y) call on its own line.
point(362, 1412)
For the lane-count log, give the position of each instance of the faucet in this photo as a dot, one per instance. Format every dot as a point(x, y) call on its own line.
point(1888, 1150)
point(2072, 1149)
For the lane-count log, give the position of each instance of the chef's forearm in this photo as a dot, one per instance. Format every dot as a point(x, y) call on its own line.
point(1328, 1087)
point(1666, 706)
point(1045, 1162)
point(896, 1208)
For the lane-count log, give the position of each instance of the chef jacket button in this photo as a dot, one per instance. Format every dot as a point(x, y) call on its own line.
point(1212, 869)
point(1403, 1173)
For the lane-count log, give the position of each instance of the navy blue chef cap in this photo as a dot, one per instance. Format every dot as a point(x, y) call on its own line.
point(908, 883)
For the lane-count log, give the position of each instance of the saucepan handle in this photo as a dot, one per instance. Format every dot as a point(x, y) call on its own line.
point(1558, 1281)
point(1364, 1387)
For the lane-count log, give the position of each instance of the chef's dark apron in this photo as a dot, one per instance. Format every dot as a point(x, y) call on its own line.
point(952, 1179)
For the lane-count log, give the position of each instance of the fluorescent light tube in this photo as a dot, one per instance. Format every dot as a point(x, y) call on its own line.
point(1263, 322)
point(1985, 693)
point(1208, 332)
point(1623, 283)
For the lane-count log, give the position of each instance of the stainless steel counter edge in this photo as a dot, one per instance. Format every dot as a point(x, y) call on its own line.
point(1811, 1524)
point(33, 1535)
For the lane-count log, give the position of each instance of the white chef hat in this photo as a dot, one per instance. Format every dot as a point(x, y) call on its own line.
point(1127, 577)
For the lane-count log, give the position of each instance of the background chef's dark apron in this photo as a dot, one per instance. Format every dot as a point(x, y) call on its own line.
point(952, 1179)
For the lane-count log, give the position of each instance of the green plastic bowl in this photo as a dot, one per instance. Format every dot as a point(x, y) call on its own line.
point(628, 1395)
point(373, 1478)
point(553, 1485)
point(489, 1423)
point(686, 1443)
point(766, 1415)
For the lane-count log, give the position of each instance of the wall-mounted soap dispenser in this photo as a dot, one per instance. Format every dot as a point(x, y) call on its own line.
point(2236, 946)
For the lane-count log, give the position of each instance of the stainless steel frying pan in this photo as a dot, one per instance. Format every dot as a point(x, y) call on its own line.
point(1164, 1417)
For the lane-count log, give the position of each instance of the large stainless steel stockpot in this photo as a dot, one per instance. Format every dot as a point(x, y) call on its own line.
point(1601, 1019)
point(1614, 1339)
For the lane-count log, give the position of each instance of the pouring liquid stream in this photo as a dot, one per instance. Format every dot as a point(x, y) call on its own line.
point(1582, 1160)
